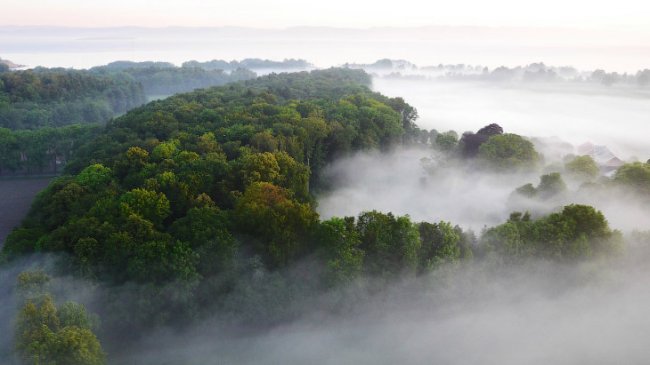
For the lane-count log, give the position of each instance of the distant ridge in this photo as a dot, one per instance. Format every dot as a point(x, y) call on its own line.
point(10, 64)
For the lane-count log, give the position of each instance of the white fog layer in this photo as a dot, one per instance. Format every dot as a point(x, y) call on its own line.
point(402, 182)
point(617, 116)
point(397, 182)
point(541, 314)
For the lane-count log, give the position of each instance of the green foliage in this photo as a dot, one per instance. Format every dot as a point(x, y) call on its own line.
point(550, 185)
point(279, 223)
point(583, 168)
point(165, 150)
point(74, 345)
point(22, 241)
point(259, 167)
point(577, 232)
point(179, 196)
point(32, 284)
point(635, 176)
point(527, 190)
point(446, 142)
point(506, 240)
point(43, 150)
point(74, 314)
point(440, 243)
point(147, 204)
point(42, 339)
point(205, 229)
point(163, 79)
point(9, 156)
point(339, 241)
point(49, 335)
point(251, 63)
point(470, 142)
point(166, 191)
point(391, 244)
point(95, 177)
point(56, 97)
point(508, 152)
point(161, 261)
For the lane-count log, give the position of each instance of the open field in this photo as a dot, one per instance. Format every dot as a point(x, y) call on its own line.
point(16, 196)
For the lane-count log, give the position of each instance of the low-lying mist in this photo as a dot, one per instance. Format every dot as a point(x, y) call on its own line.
point(615, 116)
point(537, 313)
point(408, 181)
point(397, 182)
point(482, 311)
point(64, 288)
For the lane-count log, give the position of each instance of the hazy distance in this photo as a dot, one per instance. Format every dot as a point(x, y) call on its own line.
point(621, 50)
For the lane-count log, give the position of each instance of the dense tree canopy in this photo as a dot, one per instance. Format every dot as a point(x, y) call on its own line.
point(577, 232)
point(470, 142)
point(508, 152)
point(550, 185)
point(243, 156)
point(446, 142)
point(251, 64)
point(391, 243)
point(582, 168)
point(440, 243)
point(159, 79)
point(47, 334)
point(54, 97)
point(634, 175)
point(44, 150)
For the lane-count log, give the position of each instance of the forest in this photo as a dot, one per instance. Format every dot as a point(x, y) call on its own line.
point(251, 64)
point(44, 97)
point(43, 150)
point(46, 113)
point(54, 97)
point(204, 205)
point(161, 79)
point(537, 72)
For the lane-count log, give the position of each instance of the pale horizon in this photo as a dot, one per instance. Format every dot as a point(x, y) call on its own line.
point(75, 47)
point(584, 14)
point(80, 34)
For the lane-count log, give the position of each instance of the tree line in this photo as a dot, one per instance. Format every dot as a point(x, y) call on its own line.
point(54, 97)
point(43, 97)
point(251, 64)
point(42, 151)
point(161, 79)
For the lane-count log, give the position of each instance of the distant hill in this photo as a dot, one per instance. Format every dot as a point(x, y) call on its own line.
point(160, 79)
point(252, 64)
point(43, 97)
point(9, 64)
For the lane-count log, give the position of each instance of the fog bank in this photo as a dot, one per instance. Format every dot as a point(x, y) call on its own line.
point(539, 314)
point(615, 50)
point(402, 182)
point(618, 117)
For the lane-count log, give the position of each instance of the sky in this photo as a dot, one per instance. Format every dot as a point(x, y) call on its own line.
point(588, 34)
point(598, 14)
